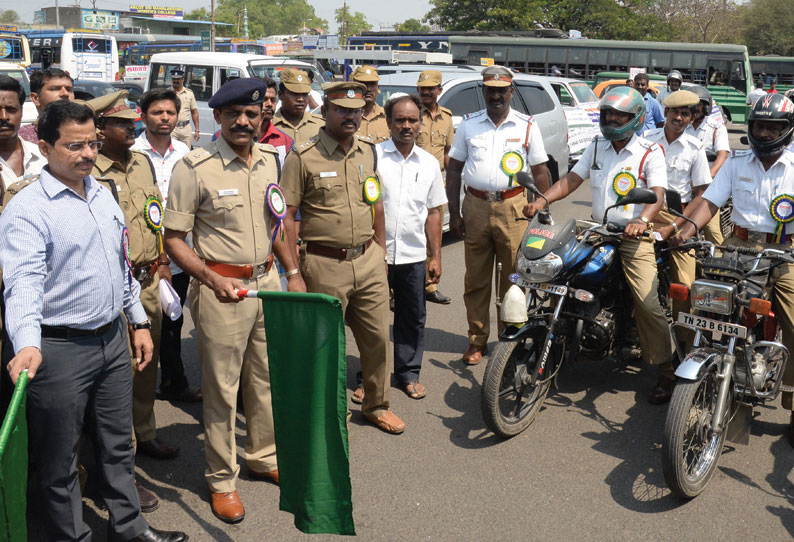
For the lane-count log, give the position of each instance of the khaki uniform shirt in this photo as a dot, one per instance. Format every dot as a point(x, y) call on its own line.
point(436, 133)
point(375, 127)
point(187, 102)
point(306, 129)
point(327, 185)
point(221, 199)
point(134, 185)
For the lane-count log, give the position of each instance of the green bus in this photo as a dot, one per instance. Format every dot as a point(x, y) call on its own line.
point(779, 69)
point(724, 69)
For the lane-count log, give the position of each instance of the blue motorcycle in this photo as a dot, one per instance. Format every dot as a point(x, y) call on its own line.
point(569, 297)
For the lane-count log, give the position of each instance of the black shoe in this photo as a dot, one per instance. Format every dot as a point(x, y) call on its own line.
point(149, 501)
point(153, 535)
point(438, 297)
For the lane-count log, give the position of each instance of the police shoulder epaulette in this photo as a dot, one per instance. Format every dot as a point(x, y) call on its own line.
point(16, 186)
point(474, 114)
point(445, 110)
point(267, 147)
point(317, 118)
point(196, 156)
point(644, 143)
point(365, 139)
point(523, 116)
point(306, 145)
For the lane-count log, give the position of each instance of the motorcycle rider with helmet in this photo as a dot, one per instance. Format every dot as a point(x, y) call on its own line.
point(616, 163)
point(761, 183)
point(674, 80)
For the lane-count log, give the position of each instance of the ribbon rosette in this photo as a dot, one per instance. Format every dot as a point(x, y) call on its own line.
point(154, 218)
point(511, 163)
point(277, 204)
point(372, 194)
point(782, 210)
point(622, 184)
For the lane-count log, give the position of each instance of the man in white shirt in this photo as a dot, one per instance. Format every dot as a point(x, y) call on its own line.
point(413, 195)
point(489, 148)
point(756, 93)
point(159, 112)
point(18, 158)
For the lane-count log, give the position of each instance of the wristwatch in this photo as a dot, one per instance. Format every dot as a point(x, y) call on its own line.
point(645, 220)
point(292, 272)
point(146, 324)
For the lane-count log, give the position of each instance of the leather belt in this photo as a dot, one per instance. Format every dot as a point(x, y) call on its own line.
point(64, 332)
point(145, 271)
point(182, 124)
point(241, 271)
point(346, 254)
point(499, 195)
point(756, 236)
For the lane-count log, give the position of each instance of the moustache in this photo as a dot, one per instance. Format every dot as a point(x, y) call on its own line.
point(86, 162)
point(242, 130)
point(4, 125)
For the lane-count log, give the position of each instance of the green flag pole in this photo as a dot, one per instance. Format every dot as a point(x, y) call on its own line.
point(14, 467)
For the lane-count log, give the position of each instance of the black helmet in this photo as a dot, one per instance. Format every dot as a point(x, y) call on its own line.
point(776, 108)
point(703, 95)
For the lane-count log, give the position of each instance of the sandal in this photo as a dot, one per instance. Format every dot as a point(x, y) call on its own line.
point(415, 390)
point(358, 395)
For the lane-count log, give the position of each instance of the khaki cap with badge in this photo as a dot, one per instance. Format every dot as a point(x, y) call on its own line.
point(113, 105)
point(429, 78)
point(682, 98)
point(365, 74)
point(497, 76)
point(296, 81)
point(347, 94)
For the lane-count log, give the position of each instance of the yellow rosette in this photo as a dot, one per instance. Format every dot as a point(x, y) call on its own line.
point(782, 210)
point(511, 163)
point(622, 184)
point(372, 193)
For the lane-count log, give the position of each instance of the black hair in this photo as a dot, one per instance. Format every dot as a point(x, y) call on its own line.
point(270, 83)
point(157, 94)
point(38, 77)
point(310, 74)
point(58, 112)
point(12, 85)
point(642, 77)
point(394, 101)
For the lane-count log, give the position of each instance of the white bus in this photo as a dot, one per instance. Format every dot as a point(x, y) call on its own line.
point(83, 55)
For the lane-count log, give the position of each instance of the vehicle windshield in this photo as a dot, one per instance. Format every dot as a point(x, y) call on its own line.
point(19, 75)
point(583, 93)
point(386, 92)
point(273, 71)
point(94, 88)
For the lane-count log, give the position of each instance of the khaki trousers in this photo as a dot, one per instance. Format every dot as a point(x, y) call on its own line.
point(144, 383)
point(712, 231)
point(233, 352)
point(683, 270)
point(362, 287)
point(184, 135)
point(491, 232)
point(639, 268)
point(783, 307)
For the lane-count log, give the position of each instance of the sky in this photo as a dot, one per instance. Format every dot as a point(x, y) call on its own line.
point(379, 12)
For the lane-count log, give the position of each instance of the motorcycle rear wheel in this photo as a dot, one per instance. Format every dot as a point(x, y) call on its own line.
point(690, 451)
point(510, 399)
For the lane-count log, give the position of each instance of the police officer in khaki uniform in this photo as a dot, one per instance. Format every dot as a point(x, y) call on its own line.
point(333, 180)
point(373, 122)
point(435, 137)
point(218, 193)
point(187, 111)
point(292, 118)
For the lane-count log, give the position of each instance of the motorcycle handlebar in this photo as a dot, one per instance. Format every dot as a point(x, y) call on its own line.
point(613, 227)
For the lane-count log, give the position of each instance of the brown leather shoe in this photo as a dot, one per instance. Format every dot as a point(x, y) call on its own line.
point(157, 449)
point(149, 501)
point(271, 476)
point(473, 354)
point(228, 507)
point(663, 390)
point(388, 421)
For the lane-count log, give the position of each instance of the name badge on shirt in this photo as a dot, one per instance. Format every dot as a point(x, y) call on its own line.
point(745, 179)
point(227, 192)
point(326, 174)
point(513, 140)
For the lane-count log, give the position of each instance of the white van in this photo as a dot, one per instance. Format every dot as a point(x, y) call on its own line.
point(205, 73)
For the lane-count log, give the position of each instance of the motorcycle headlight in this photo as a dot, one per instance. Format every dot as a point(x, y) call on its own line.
point(540, 270)
point(713, 296)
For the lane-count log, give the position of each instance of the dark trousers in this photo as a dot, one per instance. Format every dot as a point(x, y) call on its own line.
point(171, 366)
point(89, 380)
point(408, 283)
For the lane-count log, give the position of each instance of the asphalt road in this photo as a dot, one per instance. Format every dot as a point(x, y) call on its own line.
point(587, 469)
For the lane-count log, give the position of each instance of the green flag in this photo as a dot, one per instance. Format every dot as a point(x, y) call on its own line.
point(306, 350)
point(14, 467)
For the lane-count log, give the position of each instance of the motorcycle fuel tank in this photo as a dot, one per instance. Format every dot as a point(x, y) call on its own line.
point(596, 270)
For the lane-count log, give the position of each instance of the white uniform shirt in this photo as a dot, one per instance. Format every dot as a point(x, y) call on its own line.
point(411, 186)
point(32, 162)
point(163, 165)
point(481, 145)
point(626, 163)
point(743, 178)
point(687, 165)
point(712, 133)
point(754, 95)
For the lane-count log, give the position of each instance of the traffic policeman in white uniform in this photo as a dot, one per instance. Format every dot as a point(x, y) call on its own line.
point(489, 148)
point(754, 179)
point(615, 164)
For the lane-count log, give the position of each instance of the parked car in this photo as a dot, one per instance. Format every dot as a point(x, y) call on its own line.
point(580, 106)
point(135, 89)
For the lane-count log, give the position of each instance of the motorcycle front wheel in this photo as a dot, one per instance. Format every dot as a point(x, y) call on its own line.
point(690, 449)
point(511, 397)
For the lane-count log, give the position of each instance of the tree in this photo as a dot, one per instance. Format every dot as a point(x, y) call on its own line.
point(606, 19)
point(200, 14)
point(412, 26)
point(767, 29)
point(266, 18)
point(9, 16)
point(350, 24)
point(486, 14)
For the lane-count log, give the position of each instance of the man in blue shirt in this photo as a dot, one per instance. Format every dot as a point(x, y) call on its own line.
point(654, 115)
point(63, 251)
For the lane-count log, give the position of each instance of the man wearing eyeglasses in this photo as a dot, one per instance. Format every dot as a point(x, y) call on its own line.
point(62, 250)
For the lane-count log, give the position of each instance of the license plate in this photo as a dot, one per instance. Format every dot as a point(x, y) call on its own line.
point(543, 287)
point(715, 326)
point(91, 75)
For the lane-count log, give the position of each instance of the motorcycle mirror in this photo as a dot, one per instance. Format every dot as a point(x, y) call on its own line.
point(646, 196)
point(674, 201)
point(744, 140)
point(523, 178)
